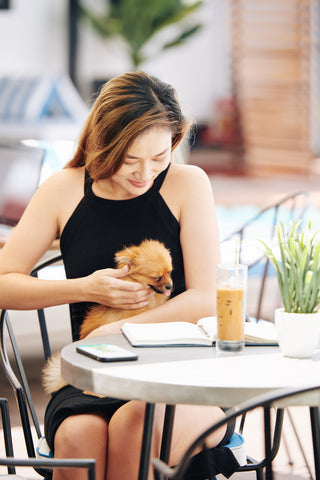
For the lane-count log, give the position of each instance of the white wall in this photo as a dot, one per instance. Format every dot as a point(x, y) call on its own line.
point(33, 37)
point(33, 40)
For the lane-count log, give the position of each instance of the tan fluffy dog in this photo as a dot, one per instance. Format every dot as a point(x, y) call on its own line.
point(149, 264)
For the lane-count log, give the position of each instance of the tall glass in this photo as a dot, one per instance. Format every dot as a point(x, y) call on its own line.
point(231, 306)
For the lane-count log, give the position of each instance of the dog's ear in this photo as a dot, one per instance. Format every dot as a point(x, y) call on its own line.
point(126, 257)
point(122, 260)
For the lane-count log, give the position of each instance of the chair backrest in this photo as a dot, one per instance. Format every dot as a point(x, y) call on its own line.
point(10, 461)
point(290, 208)
point(14, 366)
point(266, 402)
point(39, 464)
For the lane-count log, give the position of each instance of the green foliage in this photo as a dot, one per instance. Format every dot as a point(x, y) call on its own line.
point(298, 268)
point(136, 21)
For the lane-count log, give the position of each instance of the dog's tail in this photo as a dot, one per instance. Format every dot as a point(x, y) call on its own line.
point(51, 374)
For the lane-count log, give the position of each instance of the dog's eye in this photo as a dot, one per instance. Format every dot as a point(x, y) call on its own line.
point(157, 279)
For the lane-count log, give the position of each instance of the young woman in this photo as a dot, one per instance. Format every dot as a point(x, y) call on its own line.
point(120, 188)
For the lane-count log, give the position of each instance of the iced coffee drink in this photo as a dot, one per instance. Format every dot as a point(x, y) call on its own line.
point(231, 307)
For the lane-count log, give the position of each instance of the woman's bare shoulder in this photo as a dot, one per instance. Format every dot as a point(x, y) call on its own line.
point(182, 185)
point(188, 175)
point(59, 195)
point(186, 170)
point(65, 182)
point(66, 176)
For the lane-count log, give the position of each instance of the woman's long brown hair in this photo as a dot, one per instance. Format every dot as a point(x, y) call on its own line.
point(126, 106)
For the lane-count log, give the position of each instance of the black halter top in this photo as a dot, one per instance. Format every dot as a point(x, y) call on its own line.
point(99, 227)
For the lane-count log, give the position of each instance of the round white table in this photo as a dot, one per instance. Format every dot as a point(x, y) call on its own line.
point(190, 375)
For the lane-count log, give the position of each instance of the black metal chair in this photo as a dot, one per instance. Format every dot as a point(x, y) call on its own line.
point(214, 457)
point(11, 462)
point(15, 372)
point(266, 402)
point(290, 208)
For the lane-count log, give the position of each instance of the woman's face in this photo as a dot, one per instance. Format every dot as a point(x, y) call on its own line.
point(148, 156)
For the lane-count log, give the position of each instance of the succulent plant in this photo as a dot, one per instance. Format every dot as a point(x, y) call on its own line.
point(296, 260)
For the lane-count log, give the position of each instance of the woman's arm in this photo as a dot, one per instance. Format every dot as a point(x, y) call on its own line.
point(190, 197)
point(42, 221)
point(29, 240)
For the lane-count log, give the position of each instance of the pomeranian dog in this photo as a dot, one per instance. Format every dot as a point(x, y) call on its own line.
point(150, 264)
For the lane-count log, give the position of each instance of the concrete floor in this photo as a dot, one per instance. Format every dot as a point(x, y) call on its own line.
point(229, 190)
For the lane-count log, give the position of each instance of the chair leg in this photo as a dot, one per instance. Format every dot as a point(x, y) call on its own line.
point(146, 441)
point(6, 426)
point(259, 474)
point(315, 428)
point(267, 442)
point(167, 433)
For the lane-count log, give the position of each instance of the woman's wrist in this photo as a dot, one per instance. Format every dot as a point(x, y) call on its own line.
point(82, 290)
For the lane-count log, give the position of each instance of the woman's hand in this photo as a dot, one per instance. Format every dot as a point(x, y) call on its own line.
point(107, 288)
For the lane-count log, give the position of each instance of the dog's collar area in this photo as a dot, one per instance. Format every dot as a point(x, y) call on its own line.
point(155, 289)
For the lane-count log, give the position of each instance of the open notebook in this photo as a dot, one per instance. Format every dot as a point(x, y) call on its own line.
point(202, 333)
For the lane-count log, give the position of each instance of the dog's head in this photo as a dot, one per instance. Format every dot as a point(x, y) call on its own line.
point(149, 263)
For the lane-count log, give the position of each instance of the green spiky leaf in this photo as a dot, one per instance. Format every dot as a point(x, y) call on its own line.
point(139, 20)
point(298, 267)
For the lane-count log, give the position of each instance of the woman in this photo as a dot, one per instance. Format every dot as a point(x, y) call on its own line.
point(119, 189)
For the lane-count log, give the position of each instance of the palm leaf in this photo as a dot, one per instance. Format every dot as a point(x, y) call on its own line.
point(139, 20)
point(182, 37)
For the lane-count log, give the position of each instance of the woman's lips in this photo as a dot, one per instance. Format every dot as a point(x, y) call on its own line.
point(140, 184)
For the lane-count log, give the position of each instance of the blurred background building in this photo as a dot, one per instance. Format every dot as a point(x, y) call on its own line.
point(247, 72)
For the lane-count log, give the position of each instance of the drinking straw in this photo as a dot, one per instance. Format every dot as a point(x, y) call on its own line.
point(236, 259)
point(237, 251)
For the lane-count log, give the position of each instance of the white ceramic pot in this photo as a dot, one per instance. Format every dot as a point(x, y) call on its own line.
point(298, 333)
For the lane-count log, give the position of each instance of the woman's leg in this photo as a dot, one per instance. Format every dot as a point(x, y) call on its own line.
point(81, 436)
point(125, 438)
point(125, 435)
point(189, 422)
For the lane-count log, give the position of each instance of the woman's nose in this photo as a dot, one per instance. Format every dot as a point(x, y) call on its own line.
point(144, 171)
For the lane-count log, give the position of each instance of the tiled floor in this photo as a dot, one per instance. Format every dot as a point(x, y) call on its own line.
point(229, 190)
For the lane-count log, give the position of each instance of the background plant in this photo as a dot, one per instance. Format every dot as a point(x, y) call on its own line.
point(137, 21)
point(297, 265)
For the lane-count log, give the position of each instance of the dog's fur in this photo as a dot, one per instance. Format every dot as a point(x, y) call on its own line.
point(150, 264)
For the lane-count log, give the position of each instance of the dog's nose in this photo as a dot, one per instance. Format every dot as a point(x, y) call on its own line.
point(168, 286)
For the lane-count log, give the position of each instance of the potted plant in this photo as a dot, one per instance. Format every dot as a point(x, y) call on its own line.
point(296, 261)
point(136, 22)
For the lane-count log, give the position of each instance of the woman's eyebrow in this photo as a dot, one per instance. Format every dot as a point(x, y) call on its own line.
point(157, 155)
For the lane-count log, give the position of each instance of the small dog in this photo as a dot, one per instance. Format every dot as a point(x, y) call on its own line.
point(150, 264)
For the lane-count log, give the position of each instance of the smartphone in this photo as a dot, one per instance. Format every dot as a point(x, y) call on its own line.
point(106, 352)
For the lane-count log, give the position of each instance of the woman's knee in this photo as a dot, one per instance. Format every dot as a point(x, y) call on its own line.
point(125, 437)
point(129, 420)
point(78, 433)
